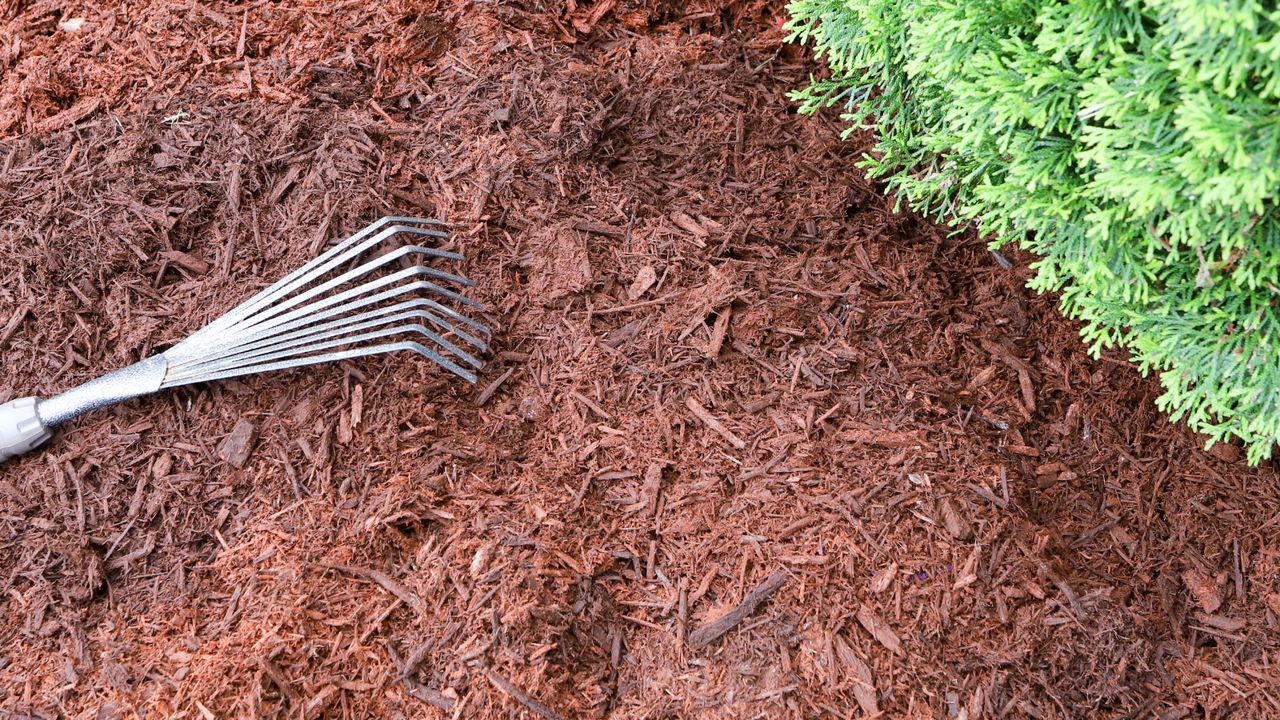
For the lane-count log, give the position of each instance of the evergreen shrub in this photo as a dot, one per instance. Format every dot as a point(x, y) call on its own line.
point(1134, 145)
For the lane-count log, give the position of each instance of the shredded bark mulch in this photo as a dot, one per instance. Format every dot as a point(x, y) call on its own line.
point(750, 443)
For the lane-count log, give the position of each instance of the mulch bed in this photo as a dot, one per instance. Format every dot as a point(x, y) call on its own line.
point(750, 443)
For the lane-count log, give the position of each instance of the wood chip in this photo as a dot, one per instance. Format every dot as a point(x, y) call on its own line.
point(491, 388)
point(883, 438)
point(162, 465)
point(434, 698)
point(281, 682)
point(73, 114)
point(643, 281)
point(597, 12)
point(1204, 588)
point(1226, 452)
point(238, 445)
point(343, 433)
point(718, 331)
point(480, 561)
point(14, 321)
point(984, 376)
point(320, 702)
point(357, 405)
point(858, 674)
point(598, 228)
point(710, 421)
point(688, 224)
point(879, 630)
point(956, 523)
point(190, 262)
point(713, 630)
point(406, 669)
point(883, 579)
point(590, 404)
point(387, 583)
point(1228, 624)
point(521, 696)
point(652, 487)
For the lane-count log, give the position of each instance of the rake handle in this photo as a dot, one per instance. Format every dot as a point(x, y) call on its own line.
point(27, 422)
point(21, 428)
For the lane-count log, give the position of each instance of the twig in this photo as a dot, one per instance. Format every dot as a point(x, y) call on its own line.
point(590, 404)
point(712, 631)
point(492, 387)
point(386, 581)
point(14, 320)
point(710, 421)
point(769, 465)
point(521, 696)
point(434, 698)
point(682, 619)
point(279, 679)
point(415, 658)
point(637, 305)
point(598, 228)
point(373, 626)
point(417, 690)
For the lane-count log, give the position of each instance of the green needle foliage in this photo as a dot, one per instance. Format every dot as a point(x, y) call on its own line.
point(1134, 145)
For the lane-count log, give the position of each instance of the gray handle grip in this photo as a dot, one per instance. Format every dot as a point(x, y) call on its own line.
point(21, 428)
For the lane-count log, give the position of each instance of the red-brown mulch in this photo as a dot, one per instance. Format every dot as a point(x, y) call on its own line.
point(749, 444)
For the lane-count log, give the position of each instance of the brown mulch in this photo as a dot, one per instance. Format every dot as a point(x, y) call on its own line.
point(749, 444)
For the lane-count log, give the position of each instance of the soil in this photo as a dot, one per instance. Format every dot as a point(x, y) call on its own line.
point(750, 442)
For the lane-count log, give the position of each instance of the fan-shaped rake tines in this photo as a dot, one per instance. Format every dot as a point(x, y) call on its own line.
point(347, 303)
point(350, 302)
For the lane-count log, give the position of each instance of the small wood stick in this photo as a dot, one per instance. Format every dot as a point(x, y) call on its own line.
point(14, 320)
point(521, 696)
point(387, 582)
point(277, 677)
point(590, 404)
point(373, 626)
point(713, 630)
point(493, 387)
point(710, 421)
point(416, 689)
point(435, 698)
point(682, 619)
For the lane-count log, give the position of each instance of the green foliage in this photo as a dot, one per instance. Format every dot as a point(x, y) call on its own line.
point(1133, 144)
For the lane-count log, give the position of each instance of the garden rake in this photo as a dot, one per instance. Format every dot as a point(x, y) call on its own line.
point(336, 307)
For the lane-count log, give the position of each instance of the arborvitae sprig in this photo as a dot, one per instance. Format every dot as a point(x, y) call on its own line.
point(1133, 144)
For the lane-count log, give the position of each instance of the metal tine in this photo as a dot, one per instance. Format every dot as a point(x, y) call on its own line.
point(317, 347)
point(304, 317)
point(341, 355)
point(309, 325)
point(329, 331)
point(340, 248)
point(367, 268)
point(310, 270)
point(258, 298)
point(188, 351)
point(280, 304)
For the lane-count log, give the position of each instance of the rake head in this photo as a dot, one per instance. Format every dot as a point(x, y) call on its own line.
point(340, 306)
point(363, 296)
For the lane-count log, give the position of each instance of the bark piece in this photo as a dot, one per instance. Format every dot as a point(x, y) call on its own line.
point(713, 630)
point(1204, 588)
point(644, 280)
point(238, 446)
point(859, 674)
point(880, 630)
